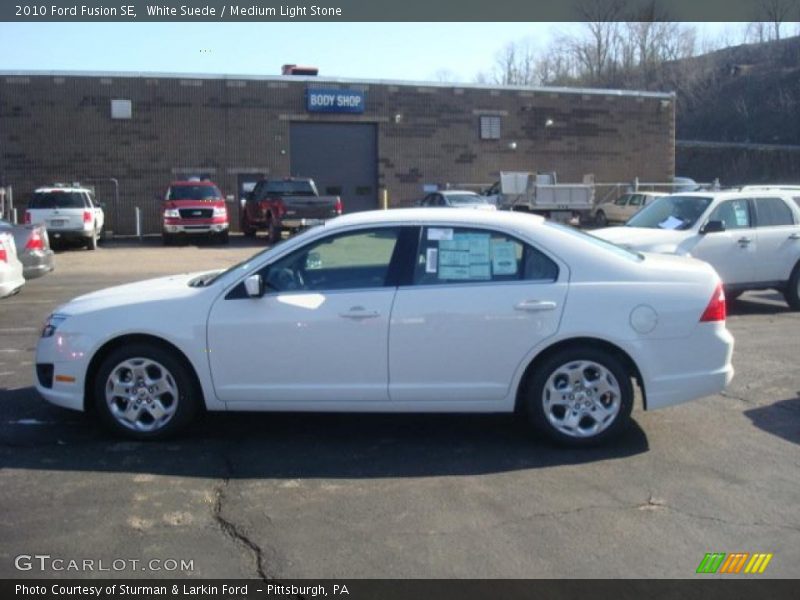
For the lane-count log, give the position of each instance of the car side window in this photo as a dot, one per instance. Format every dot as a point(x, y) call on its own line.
point(622, 200)
point(636, 200)
point(734, 214)
point(439, 200)
point(462, 255)
point(773, 212)
point(351, 260)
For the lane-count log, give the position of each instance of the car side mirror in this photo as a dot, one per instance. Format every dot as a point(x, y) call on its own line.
point(713, 227)
point(254, 286)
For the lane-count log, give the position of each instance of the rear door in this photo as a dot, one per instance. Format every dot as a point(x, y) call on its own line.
point(480, 301)
point(778, 239)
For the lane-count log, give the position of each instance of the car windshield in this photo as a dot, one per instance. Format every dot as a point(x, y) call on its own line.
point(461, 199)
point(49, 200)
point(671, 212)
point(194, 192)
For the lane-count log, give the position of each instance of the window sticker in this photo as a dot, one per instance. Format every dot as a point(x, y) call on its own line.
point(431, 260)
point(741, 215)
point(438, 233)
point(465, 256)
point(504, 258)
point(671, 222)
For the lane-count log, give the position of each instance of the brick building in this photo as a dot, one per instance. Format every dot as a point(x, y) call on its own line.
point(354, 137)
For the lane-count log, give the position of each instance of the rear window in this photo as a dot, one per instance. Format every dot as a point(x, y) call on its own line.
point(194, 192)
point(290, 188)
point(49, 200)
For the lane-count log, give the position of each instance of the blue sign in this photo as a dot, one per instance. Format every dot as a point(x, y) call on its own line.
point(335, 101)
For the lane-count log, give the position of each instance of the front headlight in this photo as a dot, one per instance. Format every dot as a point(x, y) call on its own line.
point(52, 323)
point(172, 213)
point(220, 211)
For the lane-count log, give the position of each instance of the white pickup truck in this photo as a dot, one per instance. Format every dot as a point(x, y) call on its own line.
point(540, 193)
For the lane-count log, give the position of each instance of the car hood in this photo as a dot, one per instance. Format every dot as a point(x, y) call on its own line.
point(174, 287)
point(643, 238)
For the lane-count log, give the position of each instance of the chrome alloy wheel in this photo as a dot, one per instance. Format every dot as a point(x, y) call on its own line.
point(141, 394)
point(581, 398)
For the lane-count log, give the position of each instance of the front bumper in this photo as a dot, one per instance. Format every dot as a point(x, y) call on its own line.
point(195, 228)
point(300, 223)
point(69, 356)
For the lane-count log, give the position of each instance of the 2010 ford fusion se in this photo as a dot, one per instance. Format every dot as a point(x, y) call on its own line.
point(408, 310)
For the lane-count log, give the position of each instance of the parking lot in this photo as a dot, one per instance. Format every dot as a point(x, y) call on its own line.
point(327, 496)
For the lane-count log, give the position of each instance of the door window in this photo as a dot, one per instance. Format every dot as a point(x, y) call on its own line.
point(345, 261)
point(636, 200)
point(734, 214)
point(459, 255)
point(622, 200)
point(773, 212)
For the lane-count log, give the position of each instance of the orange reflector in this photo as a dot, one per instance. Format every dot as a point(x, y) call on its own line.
point(65, 378)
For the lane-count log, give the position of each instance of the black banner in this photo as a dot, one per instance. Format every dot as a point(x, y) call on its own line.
point(380, 10)
point(387, 589)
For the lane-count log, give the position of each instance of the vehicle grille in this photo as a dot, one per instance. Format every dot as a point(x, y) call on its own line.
point(196, 213)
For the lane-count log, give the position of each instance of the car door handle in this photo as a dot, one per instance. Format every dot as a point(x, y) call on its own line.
point(744, 241)
point(795, 236)
point(535, 305)
point(359, 312)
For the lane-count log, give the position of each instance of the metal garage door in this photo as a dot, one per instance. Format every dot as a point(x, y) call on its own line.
point(341, 158)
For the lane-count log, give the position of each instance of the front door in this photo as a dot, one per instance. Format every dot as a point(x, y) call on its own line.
point(733, 251)
point(320, 332)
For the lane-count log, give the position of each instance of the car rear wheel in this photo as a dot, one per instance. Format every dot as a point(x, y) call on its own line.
point(141, 391)
point(247, 229)
point(580, 396)
point(792, 291)
point(600, 219)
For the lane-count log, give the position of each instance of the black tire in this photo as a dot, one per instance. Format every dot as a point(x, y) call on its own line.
point(555, 365)
point(223, 238)
point(168, 239)
point(247, 230)
point(187, 397)
point(600, 219)
point(792, 291)
point(273, 231)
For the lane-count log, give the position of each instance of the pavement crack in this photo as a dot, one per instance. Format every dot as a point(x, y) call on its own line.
point(727, 394)
point(234, 531)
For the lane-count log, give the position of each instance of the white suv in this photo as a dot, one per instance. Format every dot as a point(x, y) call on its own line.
point(68, 213)
point(751, 236)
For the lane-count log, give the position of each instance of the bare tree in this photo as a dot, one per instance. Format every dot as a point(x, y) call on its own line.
point(776, 12)
point(515, 64)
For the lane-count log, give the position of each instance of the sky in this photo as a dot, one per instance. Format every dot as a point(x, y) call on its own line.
point(399, 51)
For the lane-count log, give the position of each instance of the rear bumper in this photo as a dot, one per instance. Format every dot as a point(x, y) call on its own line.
point(36, 264)
point(682, 370)
point(70, 234)
point(8, 287)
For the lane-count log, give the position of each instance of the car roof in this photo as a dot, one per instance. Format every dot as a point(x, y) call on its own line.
point(59, 188)
point(452, 216)
point(453, 192)
point(736, 193)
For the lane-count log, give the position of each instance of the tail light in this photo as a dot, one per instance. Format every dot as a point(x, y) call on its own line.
point(35, 242)
point(3, 254)
point(27, 217)
point(280, 207)
point(87, 216)
point(715, 311)
point(338, 207)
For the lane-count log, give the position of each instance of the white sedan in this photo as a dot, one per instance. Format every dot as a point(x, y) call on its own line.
point(414, 310)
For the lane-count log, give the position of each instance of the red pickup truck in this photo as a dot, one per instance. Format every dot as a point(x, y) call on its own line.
point(194, 207)
point(290, 204)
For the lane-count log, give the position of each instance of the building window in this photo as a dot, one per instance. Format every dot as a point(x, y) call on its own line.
point(490, 127)
point(121, 109)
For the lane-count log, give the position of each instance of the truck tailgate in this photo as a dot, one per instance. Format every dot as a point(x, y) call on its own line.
point(310, 207)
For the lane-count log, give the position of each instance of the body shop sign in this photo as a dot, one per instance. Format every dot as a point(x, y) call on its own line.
point(334, 101)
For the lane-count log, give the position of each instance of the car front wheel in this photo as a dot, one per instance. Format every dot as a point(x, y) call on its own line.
point(141, 391)
point(580, 397)
point(600, 219)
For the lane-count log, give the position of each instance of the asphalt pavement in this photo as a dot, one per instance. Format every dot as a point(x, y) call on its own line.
point(341, 496)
